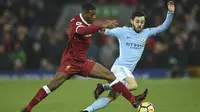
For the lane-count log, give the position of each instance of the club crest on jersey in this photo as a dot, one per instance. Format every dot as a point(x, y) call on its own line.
point(67, 67)
point(143, 39)
point(78, 23)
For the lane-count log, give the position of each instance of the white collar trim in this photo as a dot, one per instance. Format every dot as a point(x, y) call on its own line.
point(83, 19)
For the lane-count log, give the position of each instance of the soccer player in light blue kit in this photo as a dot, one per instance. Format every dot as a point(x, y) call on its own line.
point(132, 41)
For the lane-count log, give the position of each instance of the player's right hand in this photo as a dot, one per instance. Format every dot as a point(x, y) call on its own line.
point(109, 24)
point(171, 6)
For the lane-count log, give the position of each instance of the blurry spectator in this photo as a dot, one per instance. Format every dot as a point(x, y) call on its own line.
point(178, 50)
point(46, 65)
point(36, 55)
point(161, 55)
point(22, 32)
point(8, 42)
point(190, 21)
point(9, 18)
point(57, 48)
point(193, 51)
point(175, 70)
point(26, 43)
point(18, 57)
point(197, 17)
point(108, 52)
point(36, 48)
point(45, 42)
point(4, 59)
point(93, 51)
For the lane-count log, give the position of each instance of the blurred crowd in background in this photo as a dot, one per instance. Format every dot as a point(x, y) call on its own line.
point(30, 40)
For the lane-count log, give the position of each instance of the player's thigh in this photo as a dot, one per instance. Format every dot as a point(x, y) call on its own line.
point(100, 72)
point(112, 95)
point(65, 71)
point(121, 72)
point(131, 83)
point(125, 76)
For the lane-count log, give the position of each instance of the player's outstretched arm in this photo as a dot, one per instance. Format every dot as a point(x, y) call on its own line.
point(171, 6)
point(167, 22)
point(84, 30)
point(112, 31)
point(109, 32)
point(115, 32)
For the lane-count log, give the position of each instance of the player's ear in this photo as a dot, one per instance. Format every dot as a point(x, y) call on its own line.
point(84, 12)
point(131, 21)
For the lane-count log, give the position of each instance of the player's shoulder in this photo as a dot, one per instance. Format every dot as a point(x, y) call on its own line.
point(127, 28)
point(123, 28)
point(77, 20)
point(146, 30)
point(77, 17)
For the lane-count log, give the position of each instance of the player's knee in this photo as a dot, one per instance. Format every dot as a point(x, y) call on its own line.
point(53, 85)
point(132, 86)
point(56, 82)
point(112, 96)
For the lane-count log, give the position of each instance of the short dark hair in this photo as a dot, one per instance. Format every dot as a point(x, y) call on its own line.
point(138, 14)
point(88, 6)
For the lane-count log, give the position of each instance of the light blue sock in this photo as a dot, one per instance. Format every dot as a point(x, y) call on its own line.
point(98, 104)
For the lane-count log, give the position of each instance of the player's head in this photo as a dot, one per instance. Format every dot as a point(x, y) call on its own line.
point(138, 20)
point(89, 12)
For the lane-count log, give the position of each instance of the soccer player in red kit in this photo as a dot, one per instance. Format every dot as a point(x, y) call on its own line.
point(74, 59)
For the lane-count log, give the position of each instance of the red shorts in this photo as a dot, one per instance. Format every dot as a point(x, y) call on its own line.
point(73, 66)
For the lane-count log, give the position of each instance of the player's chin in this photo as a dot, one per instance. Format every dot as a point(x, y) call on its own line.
point(91, 21)
point(139, 30)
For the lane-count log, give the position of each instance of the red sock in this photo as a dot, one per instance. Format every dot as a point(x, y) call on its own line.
point(120, 88)
point(41, 94)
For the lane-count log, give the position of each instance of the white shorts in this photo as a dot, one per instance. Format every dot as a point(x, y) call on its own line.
point(121, 72)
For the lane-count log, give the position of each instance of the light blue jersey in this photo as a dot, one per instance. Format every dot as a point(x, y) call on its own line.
point(131, 43)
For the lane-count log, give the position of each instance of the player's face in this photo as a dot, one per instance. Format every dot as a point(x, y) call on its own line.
point(138, 23)
point(91, 16)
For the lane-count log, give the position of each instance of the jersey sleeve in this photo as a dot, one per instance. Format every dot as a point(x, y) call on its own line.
point(164, 26)
point(85, 30)
point(113, 32)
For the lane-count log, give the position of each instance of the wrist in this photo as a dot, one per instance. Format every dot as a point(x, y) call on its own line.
point(170, 12)
point(102, 26)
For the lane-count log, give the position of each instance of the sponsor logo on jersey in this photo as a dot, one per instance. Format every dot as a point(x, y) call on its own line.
point(134, 45)
point(67, 67)
point(143, 39)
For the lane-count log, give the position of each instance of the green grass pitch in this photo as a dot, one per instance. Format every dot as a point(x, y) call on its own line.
point(167, 95)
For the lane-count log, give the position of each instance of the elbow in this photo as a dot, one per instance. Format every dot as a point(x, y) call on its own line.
point(164, 27)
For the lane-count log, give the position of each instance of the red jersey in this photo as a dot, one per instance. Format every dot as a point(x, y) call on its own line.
point(79, 39)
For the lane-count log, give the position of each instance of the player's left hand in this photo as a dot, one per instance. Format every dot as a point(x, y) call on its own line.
point(171, 6)
point(109, 24)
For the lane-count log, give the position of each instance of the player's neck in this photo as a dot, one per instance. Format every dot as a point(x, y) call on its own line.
point(84, 17)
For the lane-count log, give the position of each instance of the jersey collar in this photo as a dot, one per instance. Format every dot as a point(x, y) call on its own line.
point(81, 16)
